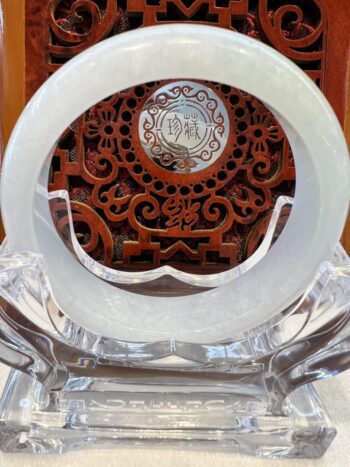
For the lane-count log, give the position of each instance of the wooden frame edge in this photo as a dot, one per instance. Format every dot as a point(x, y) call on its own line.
point(13, 60)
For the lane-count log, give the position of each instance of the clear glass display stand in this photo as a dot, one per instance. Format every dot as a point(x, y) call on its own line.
point(70, 388)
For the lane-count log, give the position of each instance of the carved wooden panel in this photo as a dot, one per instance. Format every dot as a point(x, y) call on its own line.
point(132, 210)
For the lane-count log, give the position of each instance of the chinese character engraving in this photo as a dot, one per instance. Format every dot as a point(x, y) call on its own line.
point(175, 127)
point(184, 128)
point(181, 213)
point(186, 124)
point(191, 126)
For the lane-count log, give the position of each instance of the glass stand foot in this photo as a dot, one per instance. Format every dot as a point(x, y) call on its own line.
point(107, 411)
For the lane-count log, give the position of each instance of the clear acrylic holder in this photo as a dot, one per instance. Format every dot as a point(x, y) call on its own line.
point(70, 388)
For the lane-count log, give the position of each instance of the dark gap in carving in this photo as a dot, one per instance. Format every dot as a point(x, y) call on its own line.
point(188, 3)
point(180, 258)
point(145, 257)
point(135, 20)
point(223, 3)
point(215, 258)
point(173, 13)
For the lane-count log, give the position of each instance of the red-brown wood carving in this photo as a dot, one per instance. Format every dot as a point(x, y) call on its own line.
point(129, 211)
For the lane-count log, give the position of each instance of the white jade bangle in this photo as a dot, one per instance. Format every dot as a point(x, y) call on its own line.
point(186, 52)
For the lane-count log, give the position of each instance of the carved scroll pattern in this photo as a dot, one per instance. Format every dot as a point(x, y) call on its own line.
point(129, 213)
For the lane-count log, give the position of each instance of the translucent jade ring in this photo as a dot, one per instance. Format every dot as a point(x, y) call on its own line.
point(181, 52)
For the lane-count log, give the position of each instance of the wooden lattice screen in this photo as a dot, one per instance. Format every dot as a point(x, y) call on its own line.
point(132, 212)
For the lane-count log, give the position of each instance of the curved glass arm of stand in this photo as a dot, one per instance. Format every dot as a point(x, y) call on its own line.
point(308, 341)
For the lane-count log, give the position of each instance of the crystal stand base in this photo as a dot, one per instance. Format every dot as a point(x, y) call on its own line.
point(107, 411)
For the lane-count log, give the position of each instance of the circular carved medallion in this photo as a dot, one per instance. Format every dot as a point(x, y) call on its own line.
point(184, 127)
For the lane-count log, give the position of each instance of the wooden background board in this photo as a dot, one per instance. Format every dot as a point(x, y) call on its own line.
point(12, 100)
